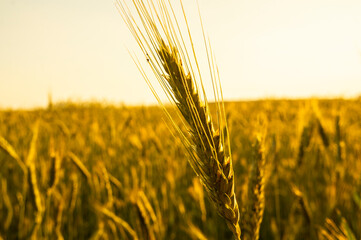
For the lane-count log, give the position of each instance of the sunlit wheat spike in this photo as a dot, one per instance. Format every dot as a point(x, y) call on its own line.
point(6, 146)
point(177, 70)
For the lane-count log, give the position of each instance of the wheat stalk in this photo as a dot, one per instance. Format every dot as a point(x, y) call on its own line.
point(117, 220)
point(74, 192)
point(195, 232)
point(80, 165)
point(6, 147)
point(322, 132)
point(162, 43)
point(33, 182)
point(59, 219)
point(54, 171)
point(108, 187)
point(303, 204)
point(145, 222)
point(7, 203)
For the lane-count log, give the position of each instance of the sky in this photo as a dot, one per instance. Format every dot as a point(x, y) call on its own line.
point(79, 50)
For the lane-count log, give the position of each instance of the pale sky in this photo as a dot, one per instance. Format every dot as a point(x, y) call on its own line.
point(77, 49)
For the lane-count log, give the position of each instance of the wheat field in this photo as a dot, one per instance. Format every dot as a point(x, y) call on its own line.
point(190, 169)
point(94, 171)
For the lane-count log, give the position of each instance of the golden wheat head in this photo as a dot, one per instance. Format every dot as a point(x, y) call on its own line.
point(159, 37)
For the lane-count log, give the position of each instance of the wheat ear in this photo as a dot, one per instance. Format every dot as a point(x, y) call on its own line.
point(256, 191)
point(166, 52)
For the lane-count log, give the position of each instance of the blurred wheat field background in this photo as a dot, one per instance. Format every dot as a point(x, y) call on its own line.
point(103, 172)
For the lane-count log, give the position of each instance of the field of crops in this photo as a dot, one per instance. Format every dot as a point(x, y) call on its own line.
point(102, 172)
